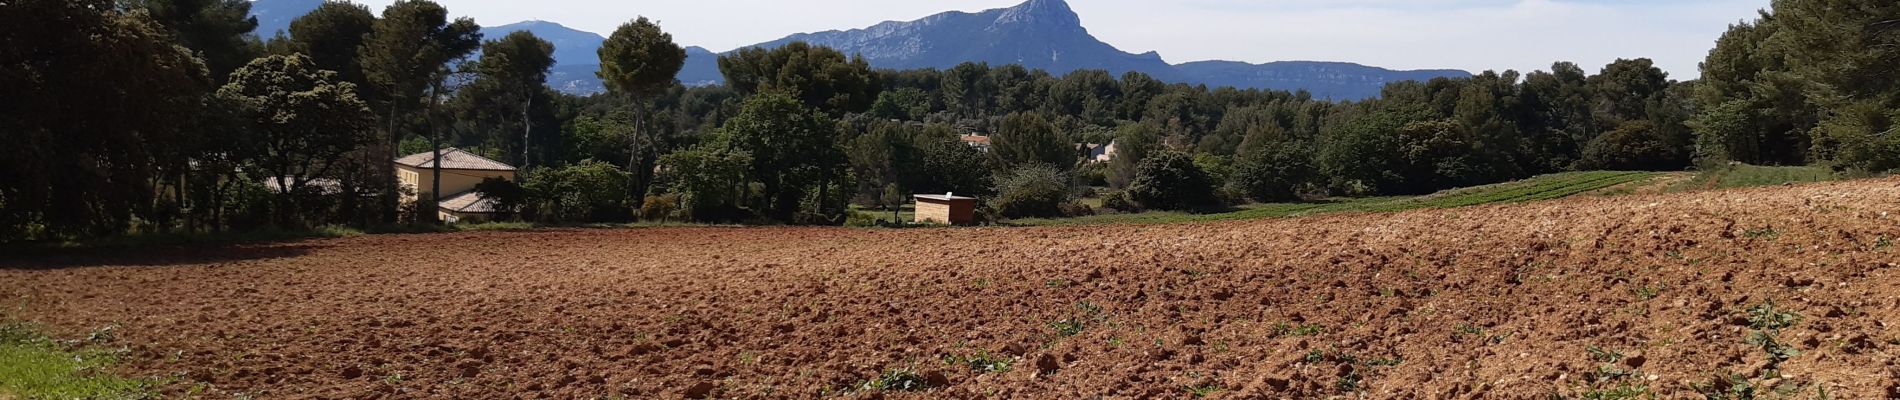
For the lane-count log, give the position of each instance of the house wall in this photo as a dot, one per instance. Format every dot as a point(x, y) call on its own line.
point(453, 180)
point(958, 212)
point(932, 212)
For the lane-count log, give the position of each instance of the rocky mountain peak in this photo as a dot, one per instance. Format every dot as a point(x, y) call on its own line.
point(1053, 13)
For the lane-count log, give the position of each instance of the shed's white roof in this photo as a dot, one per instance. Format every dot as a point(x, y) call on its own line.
point(943, 197)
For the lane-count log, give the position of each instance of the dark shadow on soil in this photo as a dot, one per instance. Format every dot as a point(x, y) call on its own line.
point(18, 258)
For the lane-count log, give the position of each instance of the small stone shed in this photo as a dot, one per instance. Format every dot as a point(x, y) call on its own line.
point(947, 208)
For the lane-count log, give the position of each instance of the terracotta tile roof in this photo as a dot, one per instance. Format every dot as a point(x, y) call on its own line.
point(468, 202)
point(454, 158)
point(976, 139)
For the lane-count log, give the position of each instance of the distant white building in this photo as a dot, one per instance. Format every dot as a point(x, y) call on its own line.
point(1100, 152)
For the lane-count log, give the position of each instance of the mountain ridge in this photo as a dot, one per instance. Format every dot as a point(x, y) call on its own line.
point(1037, 34)
point(571, 46)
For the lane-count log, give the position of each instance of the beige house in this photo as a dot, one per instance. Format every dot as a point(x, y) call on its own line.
point(947, 208)
point(461, 171)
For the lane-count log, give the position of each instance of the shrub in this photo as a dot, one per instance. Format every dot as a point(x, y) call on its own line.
point(1032, 191)
point(1169, 180)
point(590, 191)
point(1118, 201)
point(860, 220)
point(707, 181)
point(1860, 138)
point(1218, 168)
point(507, 195)
point(1635, 145)
point(986, 214)
point(660, 208)
point(1074, 209)
point(1092, 174)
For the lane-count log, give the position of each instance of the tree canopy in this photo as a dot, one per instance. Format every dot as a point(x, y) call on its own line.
point(85, 137)
point(820, 77)
point(301, 119)
point(639, 59)
point(793, 149)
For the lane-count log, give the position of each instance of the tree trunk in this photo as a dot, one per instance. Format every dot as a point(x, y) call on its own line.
point(284, 198)
point(385, 157)
point(527, 131)
point(349, 187)
point(633, 139)
point(824, 191)
point(643, 172)
point(435, 167)
point(187, 211)
point(220, 187)
point(636, 189)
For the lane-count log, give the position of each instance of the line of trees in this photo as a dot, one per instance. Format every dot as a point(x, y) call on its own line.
point(169, 115)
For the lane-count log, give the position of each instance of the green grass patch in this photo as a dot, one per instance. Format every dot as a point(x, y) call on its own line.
point(905, 213)
point(1737, 176)
point(1545, 187)
point(33, 366)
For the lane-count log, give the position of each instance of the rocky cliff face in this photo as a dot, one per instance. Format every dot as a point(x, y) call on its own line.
point(1041, 34)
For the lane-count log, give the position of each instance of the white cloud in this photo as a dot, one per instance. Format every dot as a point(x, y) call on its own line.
point(1474, 35)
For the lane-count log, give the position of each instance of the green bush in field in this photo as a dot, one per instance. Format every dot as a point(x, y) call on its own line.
point(1032, 191)
point(1119, 201)
point(1636, 145)
point(707, 181)
point(1170, 180)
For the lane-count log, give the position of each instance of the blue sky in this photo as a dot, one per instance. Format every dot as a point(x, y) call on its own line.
point(1473, 35)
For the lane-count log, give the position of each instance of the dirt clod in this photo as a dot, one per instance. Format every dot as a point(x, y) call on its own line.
point(697, 390)
point(1047, 364)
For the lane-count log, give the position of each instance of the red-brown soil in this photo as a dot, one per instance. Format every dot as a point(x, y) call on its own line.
point(1483, 302)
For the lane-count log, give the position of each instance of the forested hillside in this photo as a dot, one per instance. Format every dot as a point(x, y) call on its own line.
point(177, 116)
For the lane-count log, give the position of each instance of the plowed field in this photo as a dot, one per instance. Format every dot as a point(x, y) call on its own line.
point(1789, 290)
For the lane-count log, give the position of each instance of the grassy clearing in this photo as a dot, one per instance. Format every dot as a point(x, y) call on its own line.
point(1736, 176)
point(1544, 187)
point(33, 366)
point(905, 213)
